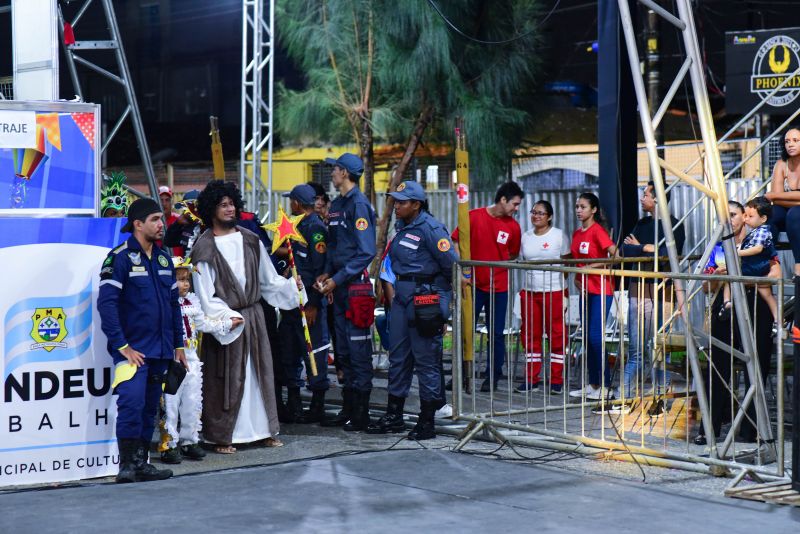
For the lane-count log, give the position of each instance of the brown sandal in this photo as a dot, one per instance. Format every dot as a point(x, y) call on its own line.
point(225, 449)
point(272, 442)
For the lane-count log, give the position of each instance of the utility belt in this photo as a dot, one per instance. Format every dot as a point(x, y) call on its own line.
point(417, 278)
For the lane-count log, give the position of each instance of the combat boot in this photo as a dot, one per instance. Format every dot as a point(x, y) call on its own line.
point(145, 471)
point(294, 406)
point(392, 420)
point(343, 416)
point(316, 411)
point(424, 428)
point(127, 454)
point(360, 419)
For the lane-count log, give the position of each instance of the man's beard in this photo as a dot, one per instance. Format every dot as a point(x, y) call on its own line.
point(227, 225)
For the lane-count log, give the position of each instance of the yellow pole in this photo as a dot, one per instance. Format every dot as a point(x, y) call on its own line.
point(216, 151)
point(462, 199)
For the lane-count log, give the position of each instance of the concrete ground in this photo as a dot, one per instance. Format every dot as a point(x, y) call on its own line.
point(405, 490)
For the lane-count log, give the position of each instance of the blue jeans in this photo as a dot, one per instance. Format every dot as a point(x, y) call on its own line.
point(593, 323)
point(788, 220)
point(382, 326)
point(641, 322)
point(497, 314)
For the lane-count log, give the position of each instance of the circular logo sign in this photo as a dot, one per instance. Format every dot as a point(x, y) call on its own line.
point(443, 245)
point(362, 224)
point(462, 193)
point(163, 261)
point(321, 247)
point(401, 186)
point(775, 60)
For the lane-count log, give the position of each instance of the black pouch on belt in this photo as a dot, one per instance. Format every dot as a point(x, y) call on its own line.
point(428, 318)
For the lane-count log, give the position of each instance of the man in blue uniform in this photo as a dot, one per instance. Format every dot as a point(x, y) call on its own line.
point(351, 248)
point(309, 259)
point(141, 317)
point(422, 258)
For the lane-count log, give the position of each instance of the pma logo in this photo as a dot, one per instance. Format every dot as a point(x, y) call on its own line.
point(49, 329)
point(775, 60)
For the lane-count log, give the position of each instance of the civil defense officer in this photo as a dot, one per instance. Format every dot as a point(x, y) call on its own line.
point(422, 258)
point(141, 317)
point(351, 248)
point(309, 259)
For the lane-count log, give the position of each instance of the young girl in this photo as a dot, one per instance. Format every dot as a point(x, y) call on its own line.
point(590, 241)
point(187, 404)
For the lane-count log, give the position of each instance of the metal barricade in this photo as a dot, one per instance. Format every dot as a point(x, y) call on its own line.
point(626, 388)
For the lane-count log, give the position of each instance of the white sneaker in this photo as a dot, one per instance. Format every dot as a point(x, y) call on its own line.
point(383, 362)
point(619, 409)
point(587, 391)
point(444, 412)
point(597, 394)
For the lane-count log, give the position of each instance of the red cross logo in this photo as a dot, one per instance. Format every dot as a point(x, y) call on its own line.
point(462, 192)
point(546, 246)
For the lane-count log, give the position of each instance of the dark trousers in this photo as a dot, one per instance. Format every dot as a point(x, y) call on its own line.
point(353, 345)
point(138, 400)
point(788, 220)
point(275, 345)
point(295, 350)
point(495, 314)
point(717, 382)
point(410, 353)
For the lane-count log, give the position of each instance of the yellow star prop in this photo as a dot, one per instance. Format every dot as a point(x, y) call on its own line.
point(285, 228)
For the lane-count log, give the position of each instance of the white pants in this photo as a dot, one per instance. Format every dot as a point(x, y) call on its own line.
point(186, 405)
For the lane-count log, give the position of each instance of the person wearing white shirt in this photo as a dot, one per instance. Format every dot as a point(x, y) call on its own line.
point(542, 299)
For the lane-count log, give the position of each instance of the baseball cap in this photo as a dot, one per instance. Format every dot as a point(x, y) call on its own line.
point(192, 194)
point(409, 190)
point(302, 193)
point(350, 162)
point(164, 190)
point(140, 210)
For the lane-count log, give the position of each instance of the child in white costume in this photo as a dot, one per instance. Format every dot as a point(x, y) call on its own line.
point(187, 404)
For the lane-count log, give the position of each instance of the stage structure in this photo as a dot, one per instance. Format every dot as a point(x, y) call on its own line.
point(716, 197)
point(68, 29)
point(258, 60)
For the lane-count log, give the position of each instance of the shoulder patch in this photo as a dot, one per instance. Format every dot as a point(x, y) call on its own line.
point(109, 259)
point(361, 224)
point(163, 261)
point(317, 237)
point(321, 247)
point(443, 245)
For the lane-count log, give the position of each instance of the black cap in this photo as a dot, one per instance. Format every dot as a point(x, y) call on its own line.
point(140, 210)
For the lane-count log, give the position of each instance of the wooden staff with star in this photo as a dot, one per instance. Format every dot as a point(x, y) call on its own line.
point(285, 231)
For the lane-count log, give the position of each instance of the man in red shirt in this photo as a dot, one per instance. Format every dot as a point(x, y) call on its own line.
point(494, 236)
point(165, 196)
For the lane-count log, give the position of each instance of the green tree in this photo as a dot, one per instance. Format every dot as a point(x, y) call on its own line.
point(416, 67)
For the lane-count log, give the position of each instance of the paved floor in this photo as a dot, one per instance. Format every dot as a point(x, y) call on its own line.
point(397, 491)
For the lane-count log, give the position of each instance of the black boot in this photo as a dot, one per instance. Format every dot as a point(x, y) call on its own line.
point(392, 420)
point(347, 409)
point(360, 419)
point(424, 428)
point(316, 411)
point(283, 411)
point(145, 471)
point(294, 406)
point(127, 455)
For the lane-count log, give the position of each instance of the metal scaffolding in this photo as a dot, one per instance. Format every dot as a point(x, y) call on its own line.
point(258, 38)
point(123, 78)
point(713, 187)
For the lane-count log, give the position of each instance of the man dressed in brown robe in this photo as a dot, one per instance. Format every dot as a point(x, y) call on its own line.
point(233, 274)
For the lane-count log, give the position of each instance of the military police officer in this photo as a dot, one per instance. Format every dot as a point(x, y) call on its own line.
point(351, 248)
point(141, 317)
point(309, 259)
point(422, 258)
